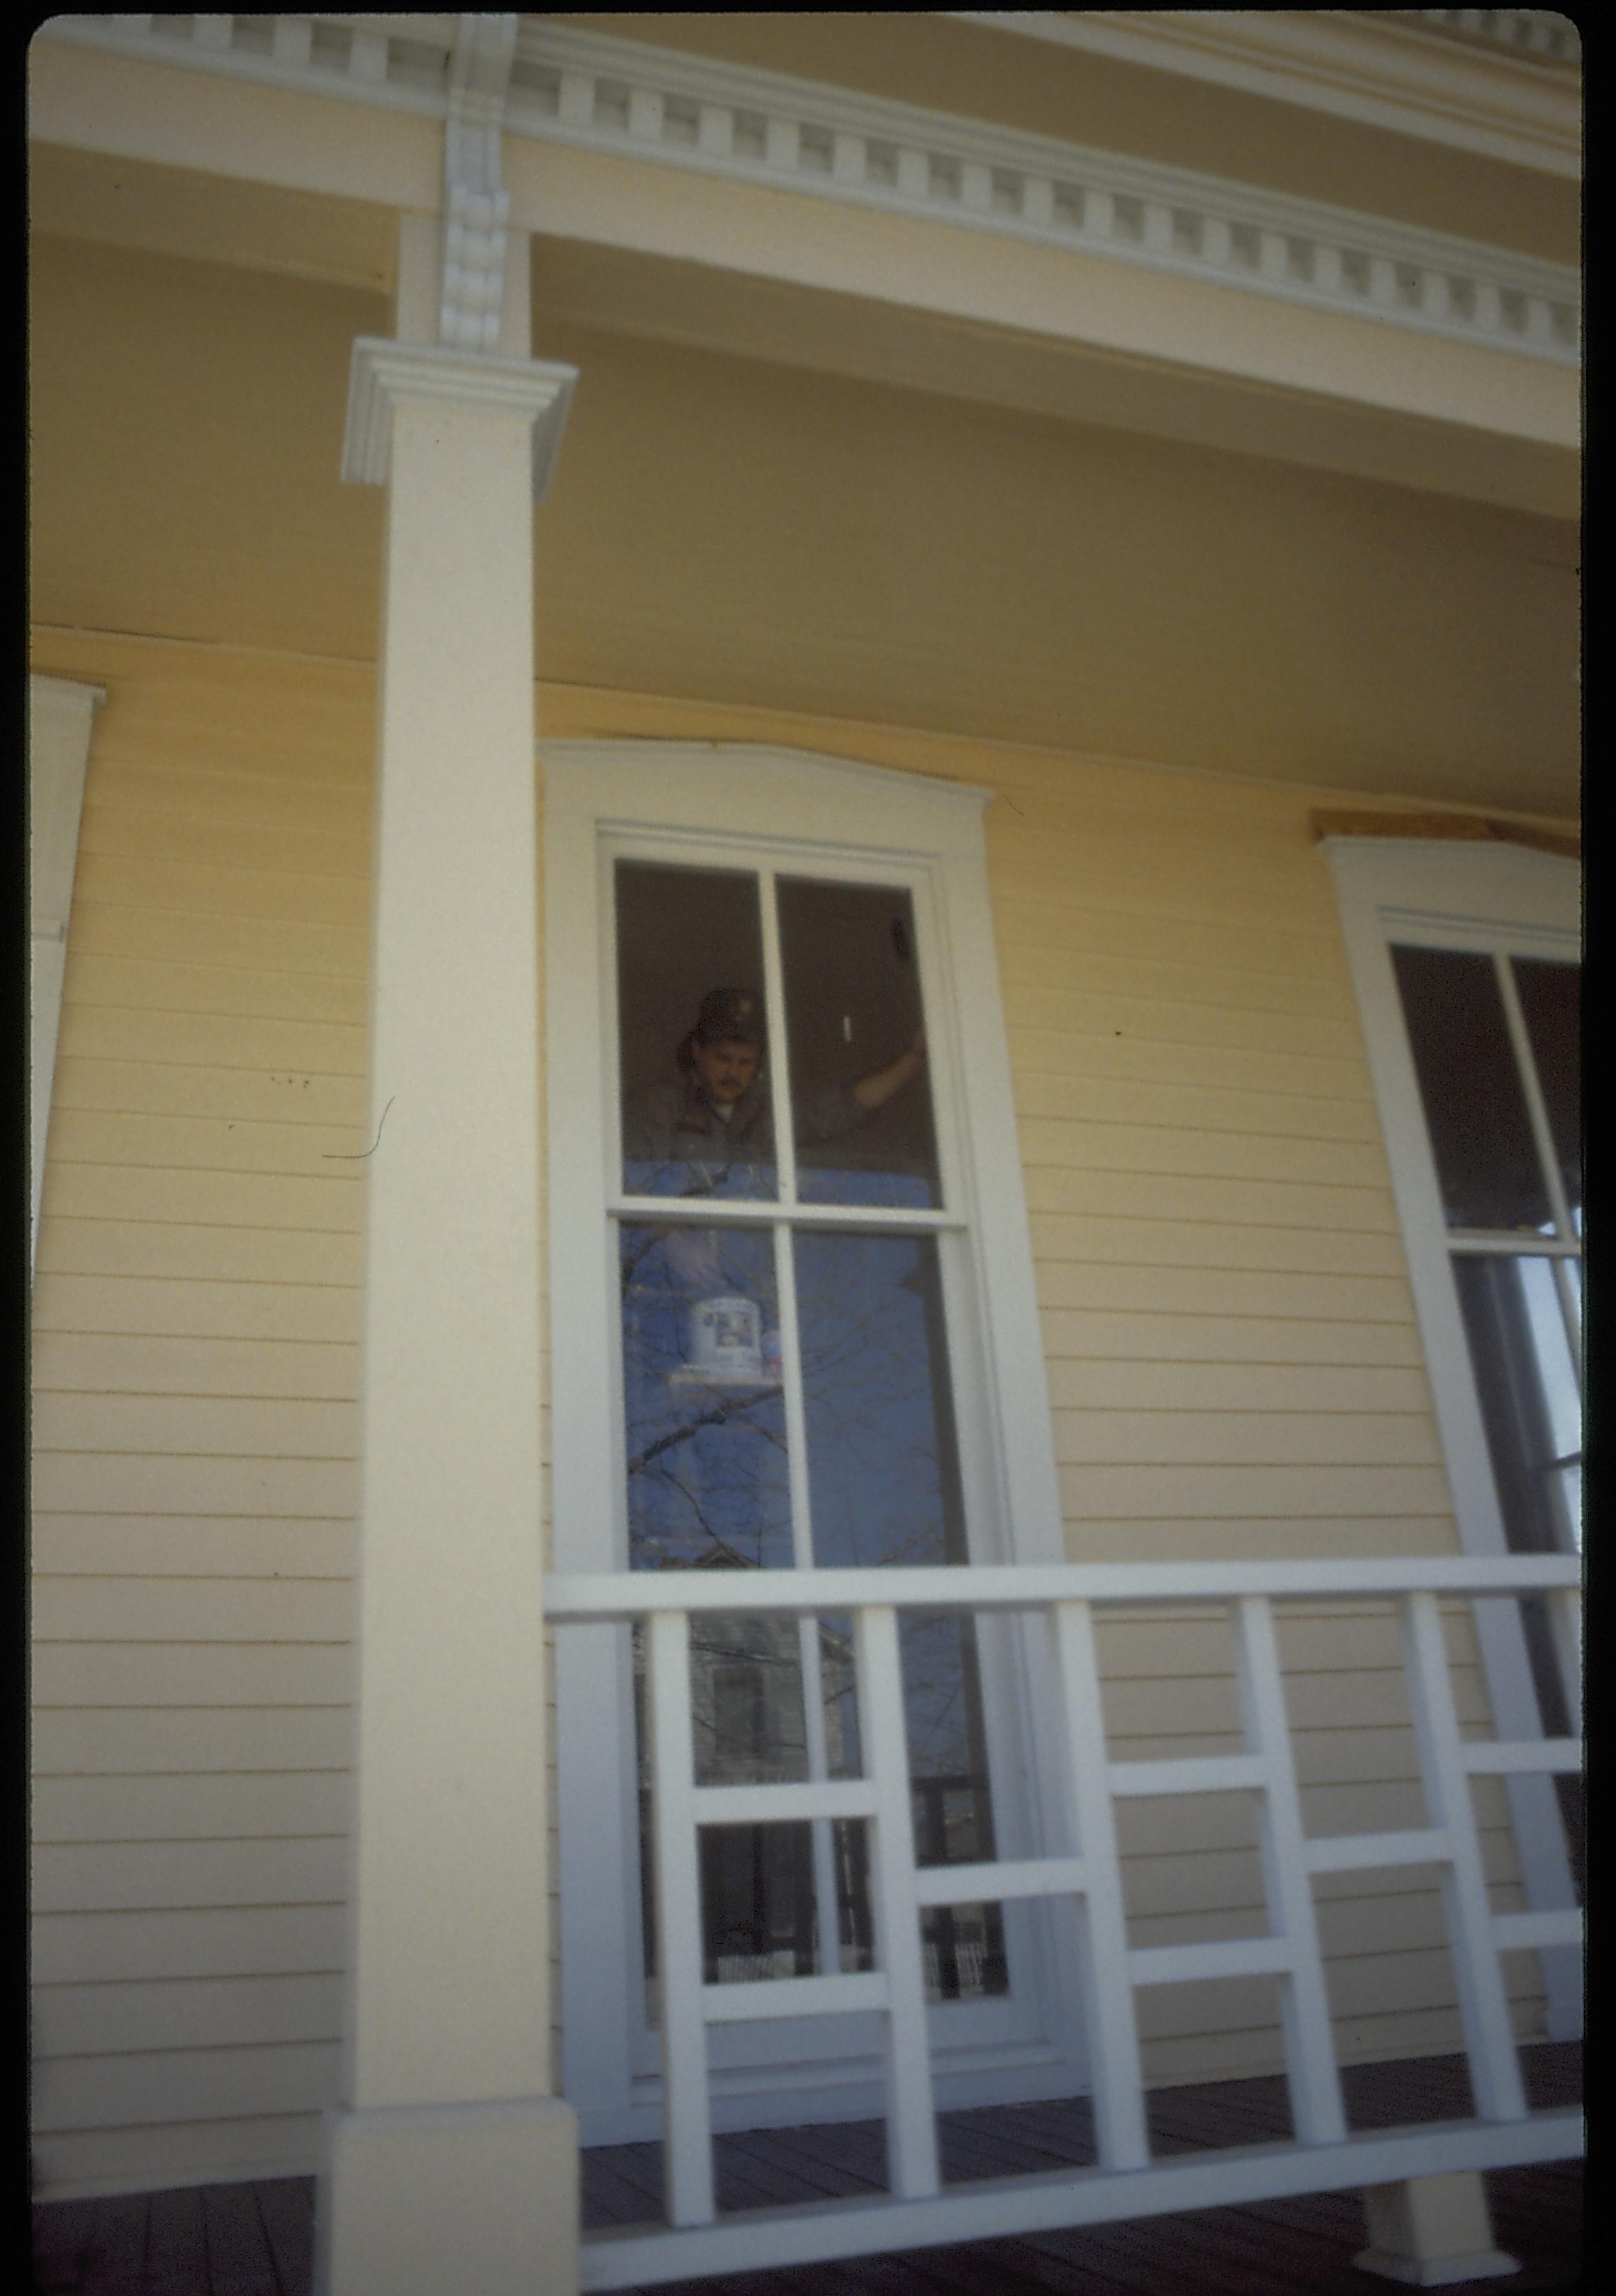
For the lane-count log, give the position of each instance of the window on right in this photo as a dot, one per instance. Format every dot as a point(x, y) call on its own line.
point(1465, 959)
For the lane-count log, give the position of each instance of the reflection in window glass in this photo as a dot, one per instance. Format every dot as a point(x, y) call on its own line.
point(696, 1113)
point(860, 1097)
point(1527, 1383)
point(1475, 1109)
point(704, 1425)
point(1551, 998)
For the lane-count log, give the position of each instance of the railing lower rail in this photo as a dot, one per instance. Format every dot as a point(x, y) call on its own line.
point(1087, 1871)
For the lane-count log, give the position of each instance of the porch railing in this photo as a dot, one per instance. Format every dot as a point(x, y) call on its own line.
point(1086, 1871)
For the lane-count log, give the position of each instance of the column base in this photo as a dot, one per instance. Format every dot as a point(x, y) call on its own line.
point(481, 2199)
point(1430, 2232)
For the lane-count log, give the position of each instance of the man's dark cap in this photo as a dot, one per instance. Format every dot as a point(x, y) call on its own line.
point(731, 1016)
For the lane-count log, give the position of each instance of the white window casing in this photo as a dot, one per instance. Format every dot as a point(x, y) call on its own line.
point(736, 806)
point(60, 713)
point(1503, 900)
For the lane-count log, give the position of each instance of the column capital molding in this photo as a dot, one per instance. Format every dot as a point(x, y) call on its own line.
point(385, 374)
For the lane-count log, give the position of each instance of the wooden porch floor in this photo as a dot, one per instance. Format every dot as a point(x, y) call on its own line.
point(256, 2240)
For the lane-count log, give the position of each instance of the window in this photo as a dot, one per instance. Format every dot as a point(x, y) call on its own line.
point(793, 1328)
point(1465, 959)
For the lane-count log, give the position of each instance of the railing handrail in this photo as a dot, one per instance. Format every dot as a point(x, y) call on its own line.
point(575, 1597)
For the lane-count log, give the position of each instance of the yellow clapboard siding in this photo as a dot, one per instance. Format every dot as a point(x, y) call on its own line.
point(1232, 1438)
point(99, 1877)
point(1070, 1058)
point(136, 1141)
point(1107, 930)
point(187, 1942)
point(1165, 1341)
point(153, 2086)
point(193, 1674)
point(221, 1045)
point(126, 1546)
point(67, 1482)
point(196, 1426)
point(268, 992)
point(265, 1199)
point(1233, 1247)
point(1114, 1383)
point(203, 1268)
point(1125, 1011)
point(240, 2150)
point(1125, 1193)
point(204, 890)
point(217, 941)
point(1195, 1296)
point(1230, 1540)
point(265, 1805)
point(1255, 1116)
point(1109, 1492)
point(198, 833)
point(1096, 1144)
point(98, 2021)
point(95, 1742)
point(142, 1364)
point(193, 1609)
point(1181, 984)
point(234, 1096)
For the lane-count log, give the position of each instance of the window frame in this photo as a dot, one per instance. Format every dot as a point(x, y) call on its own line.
point(1485, 897)
point(673, 800)
point(60, 719)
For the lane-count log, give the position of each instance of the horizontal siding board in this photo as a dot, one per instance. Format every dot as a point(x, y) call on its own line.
point(193, 1674)
point(322, 1266)
point(262, 1805)
point(143, 1363)
point(1254, 1116)
point(67, 1482)
point(271, 799)
point(201, 1426)
point(1112, 1492)
point(112, 2020)
point(1099, 1144)
point(1124, 1012)
point(121, 1545)
point(86, 1744)
point(1143, 1241)
point(219, 1043)
point(1076, 1190)
point(194, 830)
point(275, 1094)
point(1232, 1437)
point(1101, 1384)
point(105, 1877)
point(193, 886)
point(151, 1610)
point(204, 1145)
point(188, 1943)
point(1105, 932)
point(1173, 1344)
point(238, 2150)
point(177, 2085)
point(222, 942)
point(1234, 1541)
point(119, 982)
point(326, 1204)
point(1067, 1054)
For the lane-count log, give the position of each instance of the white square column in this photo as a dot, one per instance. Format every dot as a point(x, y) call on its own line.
point(450, 2163)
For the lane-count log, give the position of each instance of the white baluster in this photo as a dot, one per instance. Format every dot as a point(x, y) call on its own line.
point(686, 2120)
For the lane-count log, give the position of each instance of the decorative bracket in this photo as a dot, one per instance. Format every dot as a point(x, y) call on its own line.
point(385, 374)
point(475, 205)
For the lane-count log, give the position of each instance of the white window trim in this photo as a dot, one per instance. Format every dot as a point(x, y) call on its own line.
point(1459, 894)
point(61, 715)
point(855, 816)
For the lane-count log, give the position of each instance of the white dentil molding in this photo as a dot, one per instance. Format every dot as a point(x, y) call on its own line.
point(600, 93)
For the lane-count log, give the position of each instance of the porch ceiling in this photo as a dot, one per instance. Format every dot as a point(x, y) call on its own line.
point(777, 531)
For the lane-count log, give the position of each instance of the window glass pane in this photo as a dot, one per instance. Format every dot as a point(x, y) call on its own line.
point(704, 1426)
point(1527, 1383)
point(1476, 1108)
point(884, 1486)
point(696, 1115)
point(1551, 997)
point(860, 1097)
